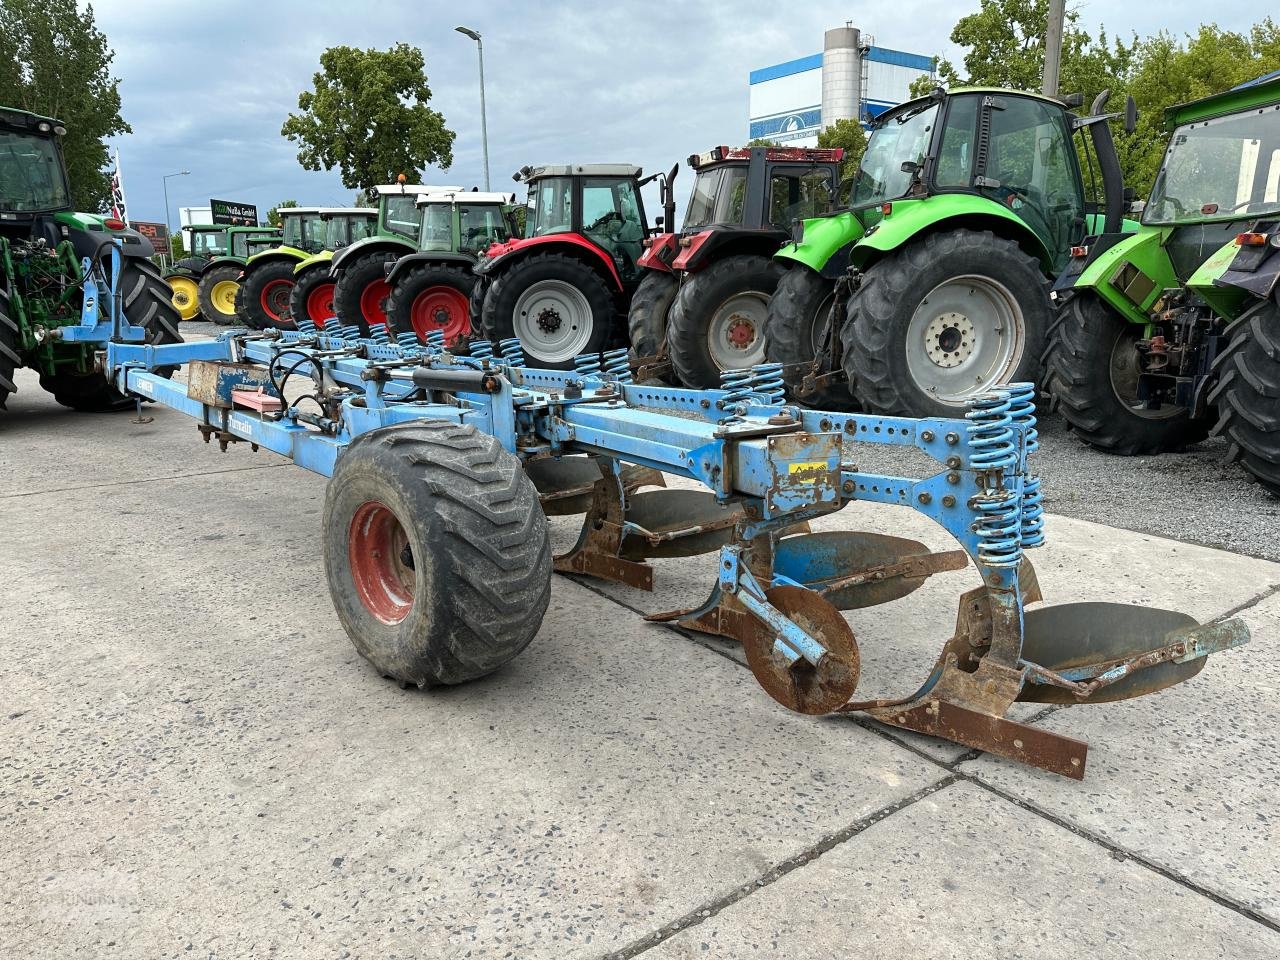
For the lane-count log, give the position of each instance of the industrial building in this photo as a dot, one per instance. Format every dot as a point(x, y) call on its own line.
point(852, 77)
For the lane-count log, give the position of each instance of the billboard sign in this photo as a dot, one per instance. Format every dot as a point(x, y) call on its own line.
point(157, 233)
point(233, 214)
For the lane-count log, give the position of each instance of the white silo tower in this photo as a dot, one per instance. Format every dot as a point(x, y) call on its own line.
point(841, 74)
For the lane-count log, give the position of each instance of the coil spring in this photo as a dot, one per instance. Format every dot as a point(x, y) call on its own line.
point(306, 326)
point(435, 339)
point(737, 387)
point(379, 334)
point(587, 364)
point(766, 383)
point(998, 528)
point(482, 349)
point(990, 433)
point(1023, 399)
point(617, 365)
point(512, 352)
point(406, 339)
point(349, 331)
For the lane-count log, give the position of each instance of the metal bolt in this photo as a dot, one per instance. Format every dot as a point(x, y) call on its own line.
point(953, 478)
point(948, 501)
point(925, 499)
point(847, 486)
point(824, 424)
point(952, 439)
point(927, 436)
point(705, 404)
point(781, 419)
point(953, 463)
point(850, 427)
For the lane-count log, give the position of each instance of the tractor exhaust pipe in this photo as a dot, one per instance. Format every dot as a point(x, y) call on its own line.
point(1104, 146)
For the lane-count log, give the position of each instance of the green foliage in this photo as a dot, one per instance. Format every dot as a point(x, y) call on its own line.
point(368, 116)
point(273, 215)
point(55, 62)
point(850, 135)
point(176, 250)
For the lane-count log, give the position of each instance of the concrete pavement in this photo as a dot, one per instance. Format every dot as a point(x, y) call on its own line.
point(195, 763)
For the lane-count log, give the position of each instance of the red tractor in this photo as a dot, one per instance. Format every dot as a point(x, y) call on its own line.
point(704, 297)
point(564, 286)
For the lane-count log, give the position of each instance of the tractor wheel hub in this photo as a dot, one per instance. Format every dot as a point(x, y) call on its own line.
point(742, 332)
point(549, 320)
point(949, 339)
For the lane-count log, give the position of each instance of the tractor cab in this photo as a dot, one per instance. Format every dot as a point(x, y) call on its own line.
point(207, 240)
point(467, 222)
point(33, 179)
point(344, 226)
point(303, 228)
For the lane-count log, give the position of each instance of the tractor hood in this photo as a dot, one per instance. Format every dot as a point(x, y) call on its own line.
point(321, 259)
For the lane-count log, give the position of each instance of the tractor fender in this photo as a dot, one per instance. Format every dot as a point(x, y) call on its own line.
point(279, 255)
point(412, 260)
point(1236, 276)
point(823, 238)
point(659, 252)
point(572, 244)
point(1151, 273)
point(353, 252)
point(717, 243)
point(312, 262)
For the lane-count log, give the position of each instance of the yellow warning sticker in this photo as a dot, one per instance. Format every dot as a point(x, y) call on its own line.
point(809, 468)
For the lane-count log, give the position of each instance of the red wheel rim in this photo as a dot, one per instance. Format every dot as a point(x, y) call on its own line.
point(441, 308)
point(275, 298)
point(320, 304)
point(373, 301)
point(381, 562)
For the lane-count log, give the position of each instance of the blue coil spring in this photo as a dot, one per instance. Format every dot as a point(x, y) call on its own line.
point(1023, 398)
point(766, 383)
point(435, 339)
point(1022, 408)
point(512, 352)
point(990, 433)
point(617, 365)
point(349, 331)
point(998, 528)
point(378, 334)
point(482, 349)
point(306, 326)
point(737, 384)
point(587, 364)
point(406, 338)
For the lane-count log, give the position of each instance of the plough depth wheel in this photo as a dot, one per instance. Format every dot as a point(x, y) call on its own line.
point(437, 554)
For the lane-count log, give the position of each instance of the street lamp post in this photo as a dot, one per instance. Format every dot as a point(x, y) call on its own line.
point(484, 123)
point(168, 221)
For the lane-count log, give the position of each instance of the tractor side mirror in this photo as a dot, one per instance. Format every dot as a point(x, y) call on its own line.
point(909, 166)
point(658, 221)
point(1130, 115)
point(1130, 197)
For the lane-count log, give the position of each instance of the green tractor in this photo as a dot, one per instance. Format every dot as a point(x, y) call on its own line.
point(266, 280)
point(210, 241)
point(432, 288)
point(1174, 331)
point(312, 295)
point(43, 244)
point(932, 287)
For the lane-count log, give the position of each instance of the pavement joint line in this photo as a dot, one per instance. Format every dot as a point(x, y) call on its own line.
point(707, 910)
point(126, 483)
point(1253, 601)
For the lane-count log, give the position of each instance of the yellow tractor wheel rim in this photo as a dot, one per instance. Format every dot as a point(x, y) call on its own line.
point(223, 296)
point(184, 297)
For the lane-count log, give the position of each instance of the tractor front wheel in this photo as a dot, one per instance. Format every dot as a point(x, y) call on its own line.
point(216, 293)
point(9, 358)
point(943, 320)
point(558, 306)
point(1091, 372)
point(647, 318)
point(186, 295)
point(718, 319)
point(437, 552)
point(361, 292)
point(799, 315)
point(264, 295)
point(432, 297)
point(1248, 393)
point(312, 296)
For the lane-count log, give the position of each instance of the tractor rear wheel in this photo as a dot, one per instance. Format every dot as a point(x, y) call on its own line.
point(9, 358)
point(558, 306)
point(1091, 373)
point(943, 320)
point(264, 295)
point(312, 296)
point(186, 295)
point(799, 314)
point(437, 552)
point(360, 294)
point(718, 319)
point(216, 293)
point(148, 303)
point(1248, 393)
point(432, 296)
point(647, 318)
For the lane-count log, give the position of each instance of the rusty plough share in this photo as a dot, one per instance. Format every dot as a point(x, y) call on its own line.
point(426, 450)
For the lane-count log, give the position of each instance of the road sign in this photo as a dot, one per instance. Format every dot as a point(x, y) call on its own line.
point(234, 214)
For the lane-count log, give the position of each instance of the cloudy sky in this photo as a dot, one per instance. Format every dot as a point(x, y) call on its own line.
point(206, 86)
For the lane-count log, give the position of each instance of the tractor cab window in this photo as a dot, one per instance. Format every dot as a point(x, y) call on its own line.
point(1222, 169)
point(719, 196)
point(611, 217)
point(240, 245)
point(1031, 169)
point(437, 227)
point(363, 227)
point(954, 168)
point(31, 175)
point(902, 138)
point(314, 229)
point(400, 214)
point(480, 226)
point(798, 193)
point(208, 243)
point(550, 207)
point(291, 224)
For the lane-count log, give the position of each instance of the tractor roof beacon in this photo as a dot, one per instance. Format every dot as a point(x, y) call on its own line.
point(703, 301)
point(932, 288)
point(1172, 332)
point(45, 250)
point(562, 288)
point(213, 243)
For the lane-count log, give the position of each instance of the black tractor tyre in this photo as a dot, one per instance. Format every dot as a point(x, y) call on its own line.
point(1247, 393)
point(149, 305)
point(647, 317)
point(880, 311)
point(700, 296)
point(304, 285)
point(208, 280)
point(249, 298)
point(417, 280)
point(437, 552)
point(350, 287)
point(498, 316)
point(798, 311)
point(10, 360)
point(1080, 362)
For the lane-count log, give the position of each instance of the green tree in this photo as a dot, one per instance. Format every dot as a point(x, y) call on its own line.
point(847, 133)
point(367, 115)
point(273, 215)
point(54, 61)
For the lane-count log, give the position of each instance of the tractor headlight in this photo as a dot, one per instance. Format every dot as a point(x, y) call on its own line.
point(44, 126)
point(60, 130)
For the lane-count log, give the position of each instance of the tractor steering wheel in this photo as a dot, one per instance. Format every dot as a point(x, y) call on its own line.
point(602, 220)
